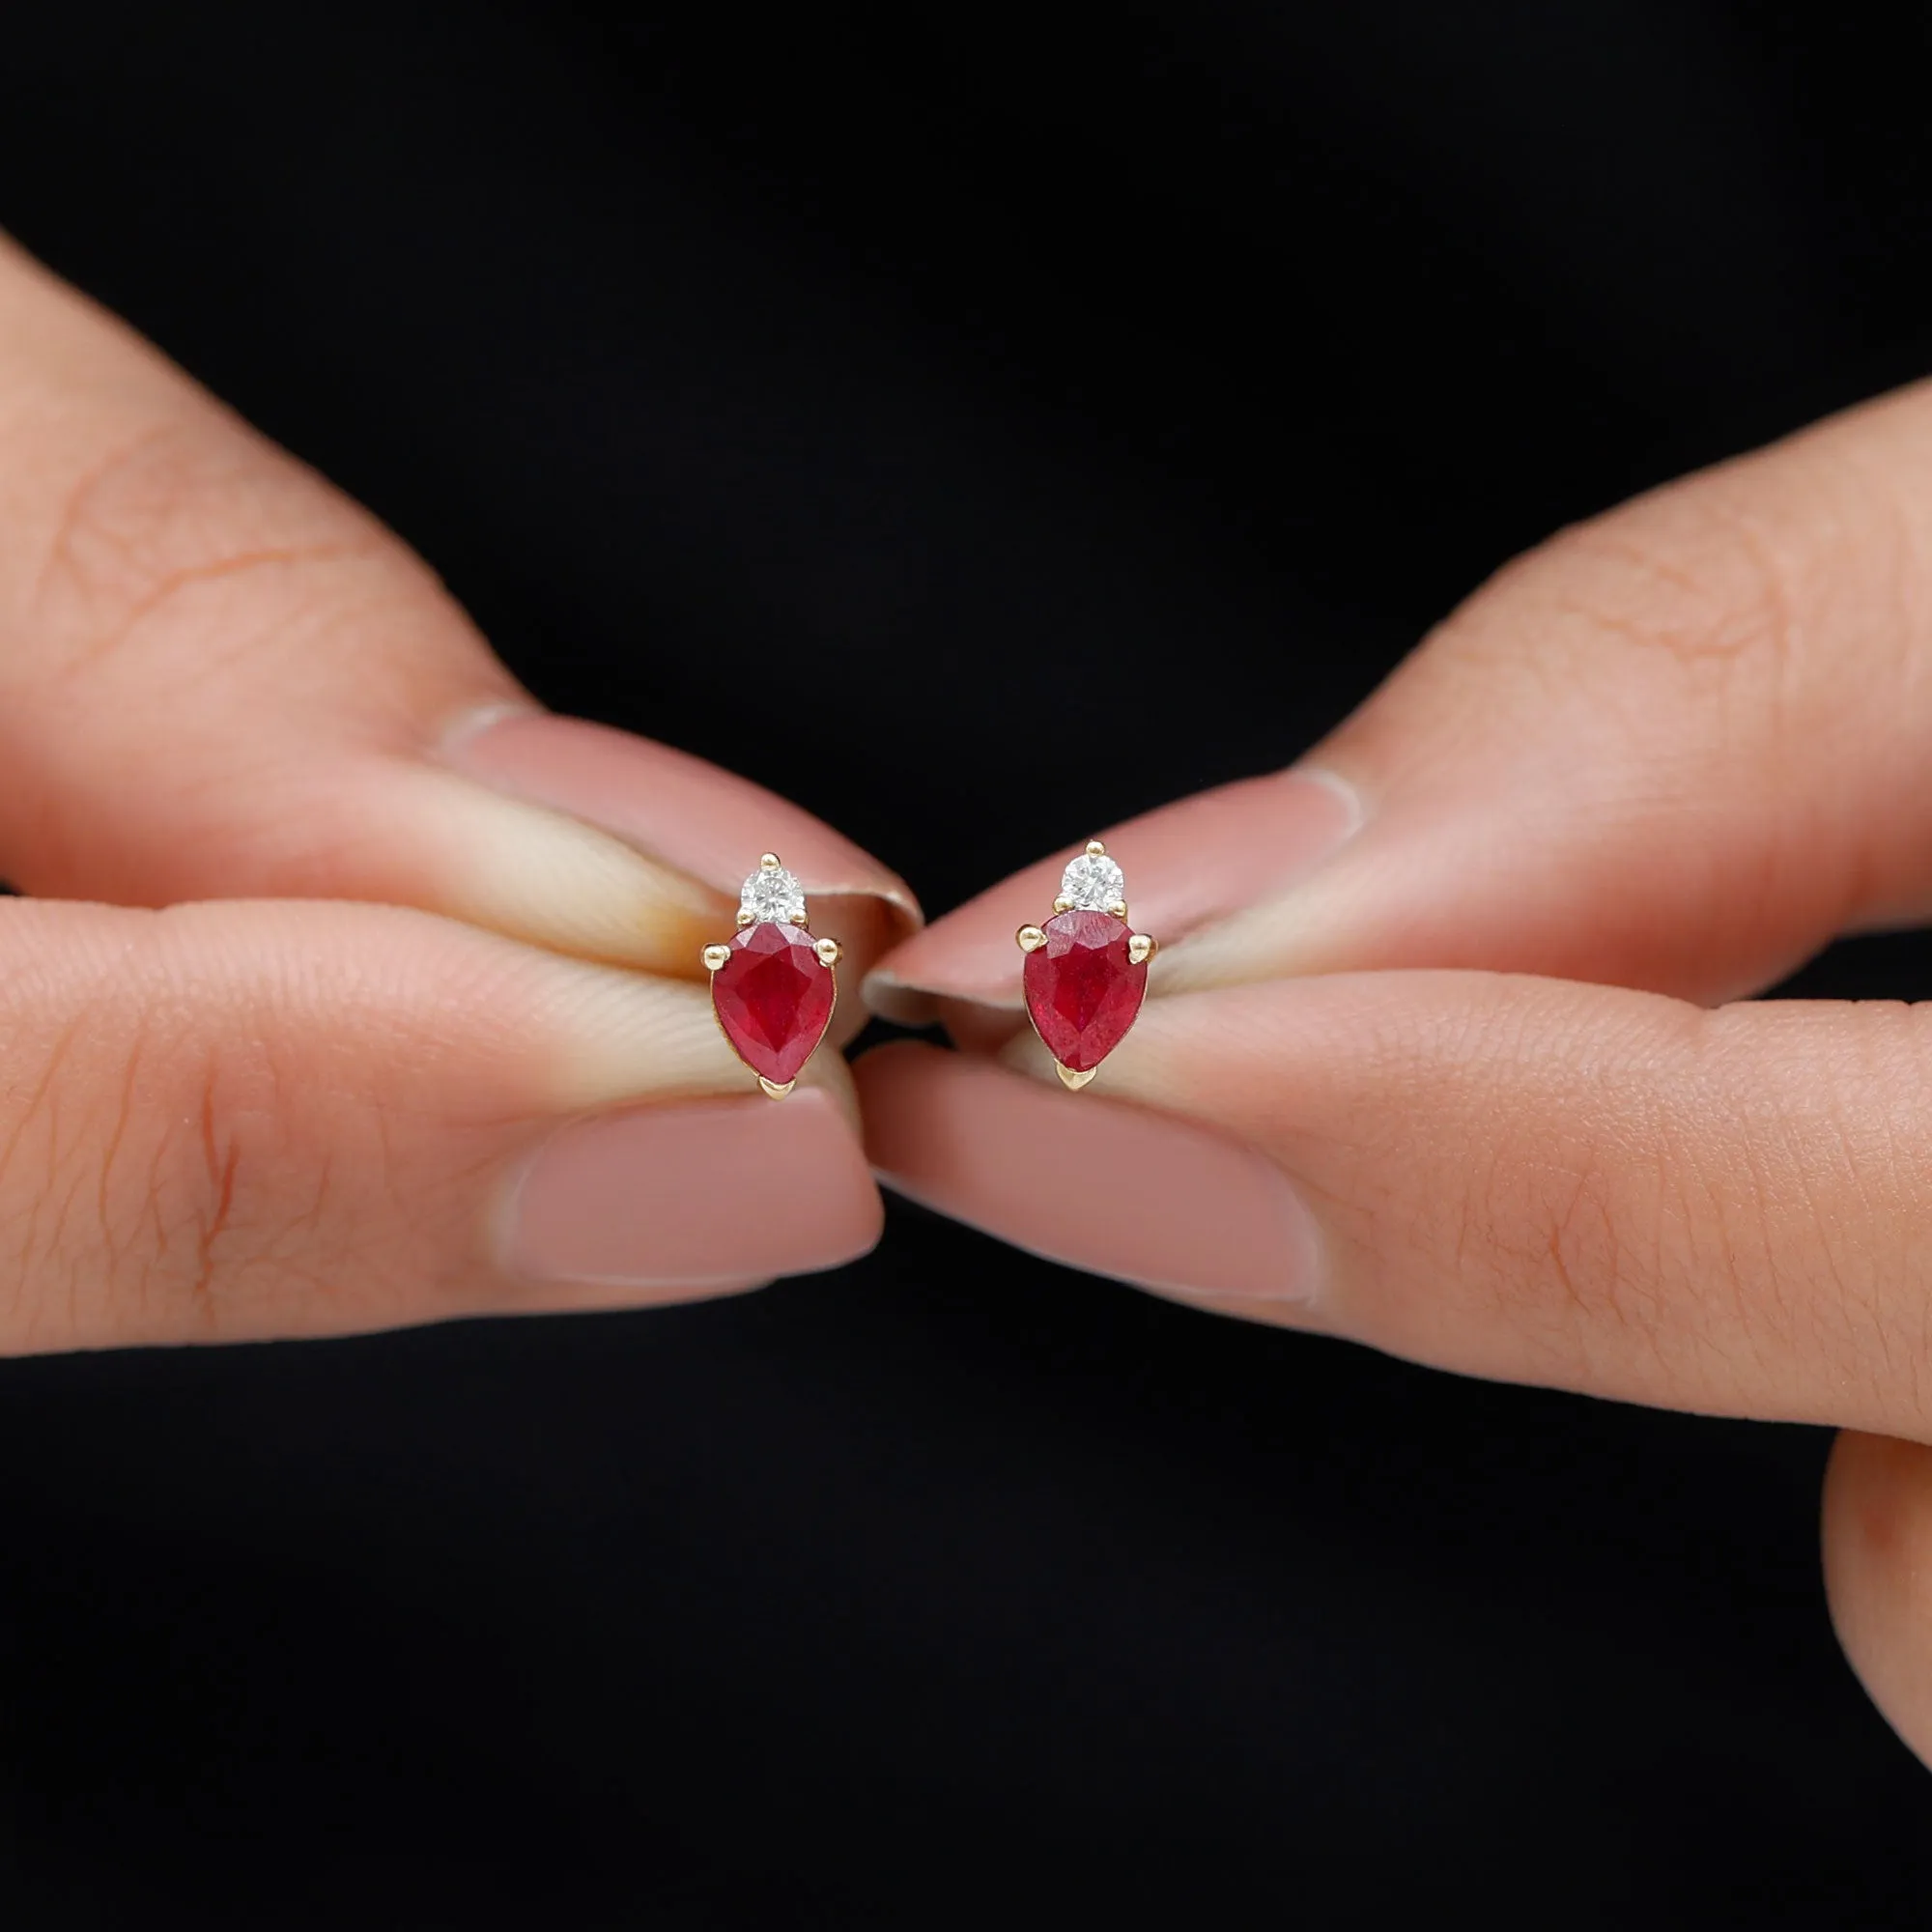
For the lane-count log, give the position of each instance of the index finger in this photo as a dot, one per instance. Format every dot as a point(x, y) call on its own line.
point(220, 677)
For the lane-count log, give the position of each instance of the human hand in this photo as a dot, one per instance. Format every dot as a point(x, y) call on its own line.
point(1672, 754)
point(285, 1114)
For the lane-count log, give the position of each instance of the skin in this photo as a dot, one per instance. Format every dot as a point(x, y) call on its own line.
point(1461, 1082)
point(355, 991)
point(230, 1109)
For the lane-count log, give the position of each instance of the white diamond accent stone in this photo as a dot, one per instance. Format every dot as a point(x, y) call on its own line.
point(1093, 883)
point(771, 893)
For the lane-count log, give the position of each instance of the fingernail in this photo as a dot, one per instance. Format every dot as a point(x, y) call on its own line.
point(676, 1197)
point(1187, 864)
point(701, 822)
point(1115, 1189)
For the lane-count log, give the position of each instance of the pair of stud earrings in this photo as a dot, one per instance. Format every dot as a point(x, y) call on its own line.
point(1085, 974)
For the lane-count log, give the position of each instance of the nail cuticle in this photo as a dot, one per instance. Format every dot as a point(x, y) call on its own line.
point(474, 721)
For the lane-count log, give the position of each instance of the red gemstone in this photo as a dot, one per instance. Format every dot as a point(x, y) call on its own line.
point(773, 997)
point(1082, 989)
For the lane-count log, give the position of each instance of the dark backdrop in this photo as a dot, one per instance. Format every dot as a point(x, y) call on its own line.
point(1047, 415)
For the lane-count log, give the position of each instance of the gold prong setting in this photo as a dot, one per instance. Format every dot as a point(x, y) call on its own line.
point(1108, 1003)
point(774, 1018)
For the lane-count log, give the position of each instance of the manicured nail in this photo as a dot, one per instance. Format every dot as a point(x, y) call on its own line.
point(1116, 1189)
point(678, 1196)
point(1188, 864)
point(703, 823)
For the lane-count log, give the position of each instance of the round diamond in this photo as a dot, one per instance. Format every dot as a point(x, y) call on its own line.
point(773, 892)
point(1093, 883)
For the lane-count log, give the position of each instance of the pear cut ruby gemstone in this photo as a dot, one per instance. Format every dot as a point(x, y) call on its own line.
point(1082, 989)
point(773, 997)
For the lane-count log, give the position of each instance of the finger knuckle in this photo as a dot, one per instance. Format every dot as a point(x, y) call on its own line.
point(1573, 1264)
point(1717, 582)
point(156, 1184)
point(1568, 1226)
point(187, 502)
point(1701, 580)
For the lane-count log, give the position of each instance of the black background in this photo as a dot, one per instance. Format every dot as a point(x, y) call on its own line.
point(1047, 415)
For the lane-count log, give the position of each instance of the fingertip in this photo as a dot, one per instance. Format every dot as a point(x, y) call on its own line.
point(653, 1202)
point(690, 815)
point(1116, 1189)
point(552, 1297)
point(1188, 865)
point(612, 1036)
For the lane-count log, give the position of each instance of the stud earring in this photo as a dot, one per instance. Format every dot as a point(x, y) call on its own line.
point(772, 984)
point(1086, 971)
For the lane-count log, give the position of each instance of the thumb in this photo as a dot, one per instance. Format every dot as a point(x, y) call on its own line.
point(236, 1121)
point(1676, 749)
point(1533, 1181)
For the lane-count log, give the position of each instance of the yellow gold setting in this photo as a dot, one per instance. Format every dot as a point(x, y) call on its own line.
point(1141, 946)
point(774, 907)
